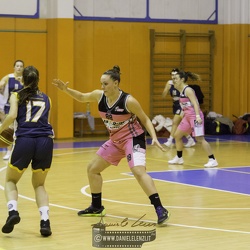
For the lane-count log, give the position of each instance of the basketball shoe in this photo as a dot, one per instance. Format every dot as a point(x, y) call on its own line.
point(163, 214)
point(92, 212)
point(211, 163)
point(176, 160)
point(11, 221)
point(45, 229)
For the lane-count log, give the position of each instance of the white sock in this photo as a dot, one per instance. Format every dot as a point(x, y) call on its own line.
point(170, 138)
point(12, 205)
point(44, 212)
point(189, 137)
point(8, 152)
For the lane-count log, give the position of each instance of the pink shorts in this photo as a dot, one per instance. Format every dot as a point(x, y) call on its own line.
point(133, 149)
point(187, 124)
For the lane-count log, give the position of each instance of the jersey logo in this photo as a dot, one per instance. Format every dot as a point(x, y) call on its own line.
point(109, 115)
point(16, 86)
point(129, 157)
point(118, 109)
point(137, 148)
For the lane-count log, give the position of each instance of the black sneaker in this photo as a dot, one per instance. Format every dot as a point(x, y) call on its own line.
point(45, 229)
point(92, 212)
point(162, 214)
point(11, 221)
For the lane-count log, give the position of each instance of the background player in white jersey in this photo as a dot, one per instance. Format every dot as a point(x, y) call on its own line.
point(8, 84)
point(193, 119)
point(3, 100)
point(177, 111)
point(119, 112)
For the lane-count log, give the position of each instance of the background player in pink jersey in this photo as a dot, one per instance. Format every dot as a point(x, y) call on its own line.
point(177, 111)
point(119, 112)
point(193, 120)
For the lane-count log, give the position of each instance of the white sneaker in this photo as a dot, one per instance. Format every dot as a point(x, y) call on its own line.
point(176, 160)
point(169, 143)
point(7, 156)
point(190, 143)
point(211, 163)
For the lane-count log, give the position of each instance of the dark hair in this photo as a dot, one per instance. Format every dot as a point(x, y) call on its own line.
point(114, 73)
point(18, 61)
point(186, 75)
point(30, 79)
point(174, 70)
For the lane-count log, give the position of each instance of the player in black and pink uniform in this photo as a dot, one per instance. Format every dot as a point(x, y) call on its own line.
point(119, 112)
point(177, 111)
point(193, 119)
point(29, 110)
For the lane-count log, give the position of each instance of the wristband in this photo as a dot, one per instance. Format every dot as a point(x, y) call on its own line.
point(198, 116)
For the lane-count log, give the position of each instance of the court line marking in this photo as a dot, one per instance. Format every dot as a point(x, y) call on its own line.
point(72, 153)
point(113, 216)
point(150, 221)
point(185, 184)
point(83, 191)
point(135, 219)
point(235, 171)
point(210, 228)
point(216, 139)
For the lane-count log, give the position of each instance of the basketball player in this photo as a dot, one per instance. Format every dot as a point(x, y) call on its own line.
point(8, 84)
point(177, 111)
point(192, 121)
point(3, 100)
point(33, 145)
point(119, 112)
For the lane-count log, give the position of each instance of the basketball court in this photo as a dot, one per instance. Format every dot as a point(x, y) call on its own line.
point(209, 207)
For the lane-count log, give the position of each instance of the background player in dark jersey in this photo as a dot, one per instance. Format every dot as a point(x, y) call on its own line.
point(30, 109)
point(119, 112)
point(177, 111)
point(10, 83)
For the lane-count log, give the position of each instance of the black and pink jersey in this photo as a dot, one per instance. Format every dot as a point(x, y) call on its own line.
point(185, 102)
point(120, 123)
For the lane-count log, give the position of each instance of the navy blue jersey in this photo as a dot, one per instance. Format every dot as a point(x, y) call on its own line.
point(176, 97)
point(175, 93)
point(32, 118)
point(13, 86)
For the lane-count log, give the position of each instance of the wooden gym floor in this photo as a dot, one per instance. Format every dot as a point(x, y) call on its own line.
point(210, 208)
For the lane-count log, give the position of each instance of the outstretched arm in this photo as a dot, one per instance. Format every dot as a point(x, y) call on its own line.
point(135, 108)
point(77, 95)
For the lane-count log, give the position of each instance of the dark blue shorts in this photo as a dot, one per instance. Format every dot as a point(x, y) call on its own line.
point(177, 108)
point(38, 151)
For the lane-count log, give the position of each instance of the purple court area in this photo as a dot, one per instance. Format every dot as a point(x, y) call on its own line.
point(236, 180)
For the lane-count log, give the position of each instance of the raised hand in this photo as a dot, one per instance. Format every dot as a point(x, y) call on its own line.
point(60, 84)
